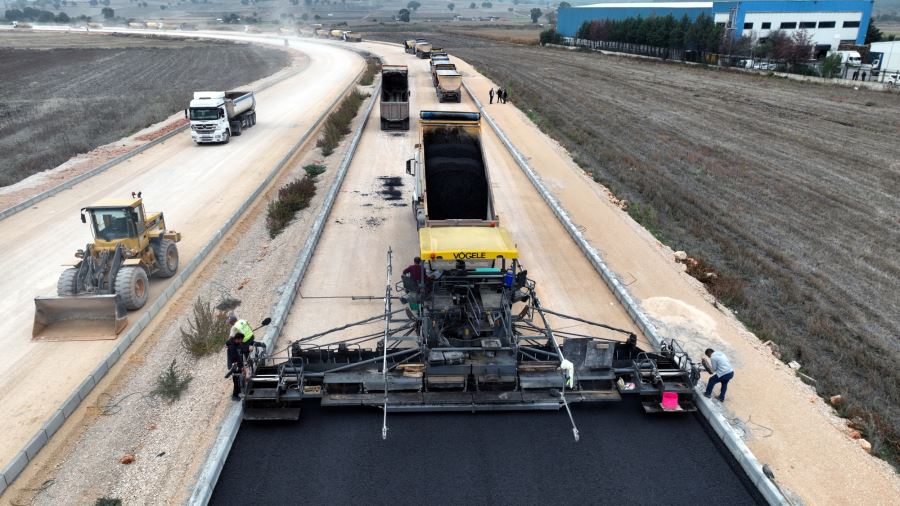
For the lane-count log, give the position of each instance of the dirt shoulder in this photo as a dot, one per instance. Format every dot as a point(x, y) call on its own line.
point(170, 441)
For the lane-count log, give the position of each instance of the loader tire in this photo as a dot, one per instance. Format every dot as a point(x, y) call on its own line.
point(133, 287)
point(66, 283)
point(166, 253)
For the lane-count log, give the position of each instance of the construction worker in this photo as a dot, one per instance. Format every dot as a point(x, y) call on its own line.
point(243, 329)
point(414, 271)
point(722, 373)
point(236, 363)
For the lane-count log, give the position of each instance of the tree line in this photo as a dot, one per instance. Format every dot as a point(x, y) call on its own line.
point(701, 34)
point(32, 14)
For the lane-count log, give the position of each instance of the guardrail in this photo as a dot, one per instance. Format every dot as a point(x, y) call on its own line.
point(215, 459)
point(732, 440)
point(14, 468)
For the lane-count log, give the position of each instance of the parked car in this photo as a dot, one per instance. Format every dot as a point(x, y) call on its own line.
point(892, 79)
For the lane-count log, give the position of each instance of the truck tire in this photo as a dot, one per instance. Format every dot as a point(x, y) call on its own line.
point(66, 283)
point(236, 128)
point(253, 119)
point(133, 286)
point(406, 124)
point(227, 137)
point(166, 253)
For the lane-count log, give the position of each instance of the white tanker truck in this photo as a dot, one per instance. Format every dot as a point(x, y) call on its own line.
point(216, 116)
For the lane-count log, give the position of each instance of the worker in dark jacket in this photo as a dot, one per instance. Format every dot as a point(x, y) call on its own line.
point(414, 271)
point(236, 351)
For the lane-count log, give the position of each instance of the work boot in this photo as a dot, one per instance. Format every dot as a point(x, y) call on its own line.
point(235, 397)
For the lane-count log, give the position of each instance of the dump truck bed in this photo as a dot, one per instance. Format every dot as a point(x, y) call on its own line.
point(455, 179)
point(394, 105)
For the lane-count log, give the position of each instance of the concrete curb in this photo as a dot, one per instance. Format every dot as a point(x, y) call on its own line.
point(13, 469)
point(25, 204)
point(215, 459)
point(732, 440)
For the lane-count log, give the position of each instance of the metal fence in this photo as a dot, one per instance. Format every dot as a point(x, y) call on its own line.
point(639, 49)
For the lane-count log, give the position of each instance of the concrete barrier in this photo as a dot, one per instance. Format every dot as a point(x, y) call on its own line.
point(14, 468)
point(215, 459)
point(732, 440)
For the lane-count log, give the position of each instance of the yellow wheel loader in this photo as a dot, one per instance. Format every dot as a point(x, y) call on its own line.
point(111, 275)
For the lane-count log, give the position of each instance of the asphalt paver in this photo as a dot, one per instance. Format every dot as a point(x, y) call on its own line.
point(337, 456)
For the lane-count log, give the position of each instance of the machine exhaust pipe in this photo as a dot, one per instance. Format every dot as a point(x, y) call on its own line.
point(78, 318)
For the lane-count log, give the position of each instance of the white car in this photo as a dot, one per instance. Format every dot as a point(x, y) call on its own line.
point(892, 79)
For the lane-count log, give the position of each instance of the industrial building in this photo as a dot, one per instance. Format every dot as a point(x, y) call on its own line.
point(828, 22)
point(887, 56)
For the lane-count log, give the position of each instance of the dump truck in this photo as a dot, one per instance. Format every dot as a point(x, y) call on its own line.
point(394, 97)
point(448, 85)
point(452, 185)
point(110, 275)
point(409, 46)
point(423, 48)
point(349, 36)
point(21, 25)
point(440, 64)
point(336, 34)
point(216, 116)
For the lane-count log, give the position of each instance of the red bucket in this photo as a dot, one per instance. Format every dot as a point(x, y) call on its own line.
point(670, 401)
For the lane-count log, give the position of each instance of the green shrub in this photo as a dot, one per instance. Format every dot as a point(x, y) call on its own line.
point(172, 382)
point(107, 501)
point(550, 37)
point(292, 197)
point(373, 66)
point(313, 170)
point(206, 332)
point(338, 123)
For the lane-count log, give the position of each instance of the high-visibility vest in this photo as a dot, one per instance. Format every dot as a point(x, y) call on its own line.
point(244, 328)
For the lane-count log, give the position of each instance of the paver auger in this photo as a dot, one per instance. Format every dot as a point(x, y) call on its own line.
point(110, 276)
point(474, 337)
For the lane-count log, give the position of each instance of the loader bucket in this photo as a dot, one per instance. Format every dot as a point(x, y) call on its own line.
point(78, 318)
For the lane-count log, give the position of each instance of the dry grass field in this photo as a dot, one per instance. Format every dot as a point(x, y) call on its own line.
point(65, 94)
point(789, 191)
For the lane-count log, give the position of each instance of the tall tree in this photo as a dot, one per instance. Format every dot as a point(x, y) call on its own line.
point(403, 15)
point(535, 14)
point(451, 6)
point(413, 5)
point(873, 34)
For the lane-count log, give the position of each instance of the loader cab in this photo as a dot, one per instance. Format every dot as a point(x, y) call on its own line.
point(117, 220)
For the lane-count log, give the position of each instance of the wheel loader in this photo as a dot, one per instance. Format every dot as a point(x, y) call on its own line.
point(111, 275)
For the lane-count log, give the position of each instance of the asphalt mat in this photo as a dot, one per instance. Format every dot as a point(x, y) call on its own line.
point(337, 456)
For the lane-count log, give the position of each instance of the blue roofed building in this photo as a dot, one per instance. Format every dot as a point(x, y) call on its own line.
point(828, 22)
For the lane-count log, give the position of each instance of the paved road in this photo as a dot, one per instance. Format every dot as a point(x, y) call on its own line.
point(338, 457)
point(198, 188)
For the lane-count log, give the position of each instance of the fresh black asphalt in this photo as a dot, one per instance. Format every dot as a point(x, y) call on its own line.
point(337, 456)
